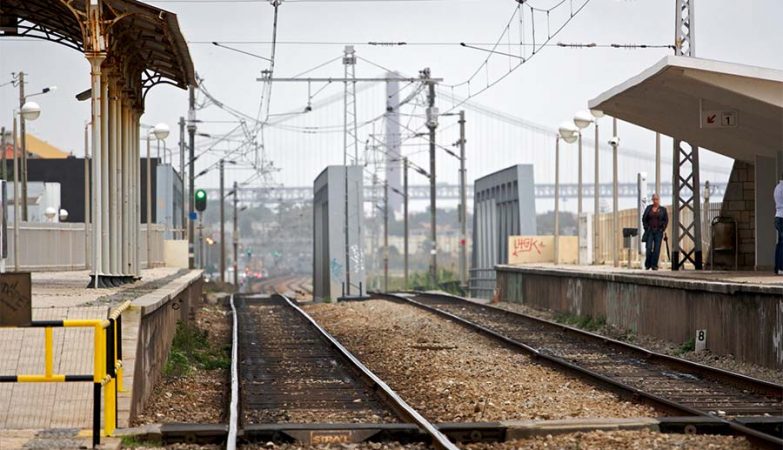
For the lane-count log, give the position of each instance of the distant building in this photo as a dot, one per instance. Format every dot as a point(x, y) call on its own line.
point(36, 148)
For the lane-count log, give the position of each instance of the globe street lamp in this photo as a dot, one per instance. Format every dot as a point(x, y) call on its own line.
point(582, 120)
point(29, 111)
point(34, 112)
point(567, 133)
point(161, 132)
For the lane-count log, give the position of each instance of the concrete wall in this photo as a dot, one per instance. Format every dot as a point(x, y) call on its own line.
point(148, 330)
point(329, 259)
point(745, 321)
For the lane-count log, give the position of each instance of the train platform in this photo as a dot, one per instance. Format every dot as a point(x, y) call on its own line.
point(740, 313)
point(61, 408)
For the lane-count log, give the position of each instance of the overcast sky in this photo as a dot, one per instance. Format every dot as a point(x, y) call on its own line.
point(546, 90)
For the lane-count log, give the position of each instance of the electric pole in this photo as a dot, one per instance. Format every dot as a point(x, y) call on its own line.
point(235, 238)
point(182, 171)
point(386, 236)
point(191, 172)
point(23, 142)
point(222, 225)
point(349, 125)
point(405, 218)
point(432, 125)
point(3, 168)
point(463, 207)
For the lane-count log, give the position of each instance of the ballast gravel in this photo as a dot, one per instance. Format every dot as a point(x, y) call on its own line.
point(451, 374)
point(199, 396)
point(725, 362)
point(620, 440)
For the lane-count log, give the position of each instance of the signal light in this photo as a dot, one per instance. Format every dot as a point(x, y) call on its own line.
point(201, 200)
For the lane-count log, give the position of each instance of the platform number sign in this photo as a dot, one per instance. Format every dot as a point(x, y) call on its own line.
point(701, 340)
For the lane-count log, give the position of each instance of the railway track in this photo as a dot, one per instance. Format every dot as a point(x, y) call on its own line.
point(674, 384)
point(294, 287)
point(295, 380)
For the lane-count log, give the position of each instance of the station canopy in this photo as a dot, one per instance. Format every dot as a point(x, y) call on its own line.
point(732, 109)
point(144, 38)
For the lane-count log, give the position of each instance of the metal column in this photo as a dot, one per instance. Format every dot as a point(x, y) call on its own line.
point(463, 199)
point(222, 223)
point(685, 176)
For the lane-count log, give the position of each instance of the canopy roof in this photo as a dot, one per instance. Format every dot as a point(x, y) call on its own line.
point(688, 98)
point(146, 38)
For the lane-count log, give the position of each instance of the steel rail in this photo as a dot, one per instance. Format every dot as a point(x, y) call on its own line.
point(405, 411)
point(736, 379)
point(233, 418)
point(757, 437)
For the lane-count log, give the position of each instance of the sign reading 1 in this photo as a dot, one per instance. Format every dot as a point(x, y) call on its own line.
point(717, 118)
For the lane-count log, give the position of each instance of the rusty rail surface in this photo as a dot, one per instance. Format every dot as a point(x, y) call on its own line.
point(667, 382)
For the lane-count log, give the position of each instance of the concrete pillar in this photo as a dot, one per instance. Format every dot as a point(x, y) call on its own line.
point(114, 141)
point(96, 113)
point(134, 192)
point(104, 192)
point(125, 241)
point(765, 180)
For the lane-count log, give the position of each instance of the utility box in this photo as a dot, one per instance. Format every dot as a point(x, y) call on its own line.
point(338, 251)
point(586, 238)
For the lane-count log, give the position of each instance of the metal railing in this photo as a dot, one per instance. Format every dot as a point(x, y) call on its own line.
point(49, 246)
point(629, 218)
point(157, 239)
point(66, 246)
point(107, 366)
point(482, 283)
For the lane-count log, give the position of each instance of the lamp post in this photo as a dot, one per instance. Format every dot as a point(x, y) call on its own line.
point(597, 114)
point(568, 133)
point(23, 100)
point(614, 142)
point(160, 132)
point(29, 111)
point(223, 219)
point(582, 120)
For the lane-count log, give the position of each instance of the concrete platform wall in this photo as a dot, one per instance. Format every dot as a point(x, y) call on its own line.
point(153, 323)
point(743, 320)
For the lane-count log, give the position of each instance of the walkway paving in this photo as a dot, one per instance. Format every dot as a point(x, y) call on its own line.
point(60, 406)
point(744, 277)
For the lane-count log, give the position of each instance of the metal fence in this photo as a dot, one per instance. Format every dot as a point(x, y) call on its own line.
point(629, 218)
point(157, 239)
point(482, 283)
point(67, 246)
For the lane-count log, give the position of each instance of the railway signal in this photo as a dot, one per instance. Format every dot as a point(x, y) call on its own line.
point(201, 200)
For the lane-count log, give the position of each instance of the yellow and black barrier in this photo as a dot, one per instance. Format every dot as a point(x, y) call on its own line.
point(107, 366)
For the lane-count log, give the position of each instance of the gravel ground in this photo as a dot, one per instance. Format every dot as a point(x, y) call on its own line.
point(726, 362)
point(621, 440)
point(453, 375)
point(200, 396)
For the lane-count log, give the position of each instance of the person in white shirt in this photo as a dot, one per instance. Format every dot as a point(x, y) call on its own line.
point(779, 226)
